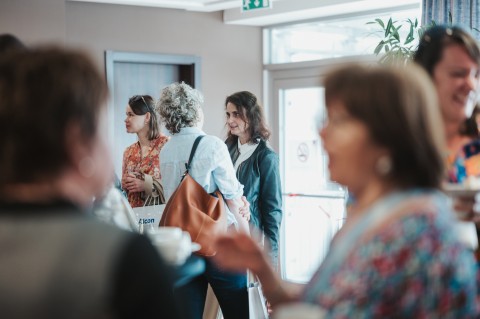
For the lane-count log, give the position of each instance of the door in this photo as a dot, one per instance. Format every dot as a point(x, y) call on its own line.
point(131, 73)
point(314, 206)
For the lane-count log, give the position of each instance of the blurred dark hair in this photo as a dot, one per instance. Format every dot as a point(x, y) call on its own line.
point(399, 108)
point(437, 38)
point(252, 113)
point(10, 43)
point(141, 105)
point(43, 92)
point(470, 126)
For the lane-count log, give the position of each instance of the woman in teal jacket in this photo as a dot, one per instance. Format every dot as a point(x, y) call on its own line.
point(256, 165)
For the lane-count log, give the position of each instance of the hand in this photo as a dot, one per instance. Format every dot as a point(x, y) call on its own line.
point(238, 252)
point(244, 211)
point(468, 208)
point(134, 184)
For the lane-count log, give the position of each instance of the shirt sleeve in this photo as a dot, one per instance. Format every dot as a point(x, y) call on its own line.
point(224, 174)
point(270, 203)
point(124, 167)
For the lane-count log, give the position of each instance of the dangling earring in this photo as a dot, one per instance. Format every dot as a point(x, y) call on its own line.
point(384, 165)
point(87, 167)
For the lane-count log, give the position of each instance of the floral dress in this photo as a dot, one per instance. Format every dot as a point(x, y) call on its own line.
point(404, 264)
point(462, 165)
point(464, 162)
point(148, 165)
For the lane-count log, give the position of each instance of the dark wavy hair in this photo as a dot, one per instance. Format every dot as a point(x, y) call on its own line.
point(469, 126)
point(437, 38)
point(10, 43)
point(141, 105)
point(252, 113)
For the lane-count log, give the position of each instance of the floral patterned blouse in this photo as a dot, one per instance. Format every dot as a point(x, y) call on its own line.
point(407, 267)
point(149, 165)
point(465, 162)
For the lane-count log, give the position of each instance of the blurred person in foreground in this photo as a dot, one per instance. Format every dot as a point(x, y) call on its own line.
point(256, 166)
point(180, 107)
point(395, 256)
point(57, 261)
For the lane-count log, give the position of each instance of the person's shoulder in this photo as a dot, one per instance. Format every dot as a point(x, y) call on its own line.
point(266, 151)
point(131, 148)
point(161, 140)
point(107, 234)
point(102, 228)
point(213, 141)
point(102, 241)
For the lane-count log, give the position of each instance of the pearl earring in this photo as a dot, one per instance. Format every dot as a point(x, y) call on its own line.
point(384, 165)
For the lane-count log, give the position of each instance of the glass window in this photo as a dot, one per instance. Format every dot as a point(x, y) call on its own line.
point(330, 39)
point(314, 206)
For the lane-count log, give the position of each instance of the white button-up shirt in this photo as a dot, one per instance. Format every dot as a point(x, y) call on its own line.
point(211, 165)
point(246, 150)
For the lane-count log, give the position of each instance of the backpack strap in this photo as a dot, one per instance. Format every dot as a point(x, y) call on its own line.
point(194, 148)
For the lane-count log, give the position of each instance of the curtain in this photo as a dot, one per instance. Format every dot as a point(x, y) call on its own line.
point(465, 13)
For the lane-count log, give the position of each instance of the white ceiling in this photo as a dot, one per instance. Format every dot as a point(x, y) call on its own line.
point(191, 5)
point(282, 11)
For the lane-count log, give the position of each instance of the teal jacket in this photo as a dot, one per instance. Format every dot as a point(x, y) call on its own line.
point(260, 176)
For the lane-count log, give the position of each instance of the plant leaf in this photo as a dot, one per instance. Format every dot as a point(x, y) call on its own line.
point(379, 47)
point(389, 26)
point(380, 22)
point(395, 34)
point(410, 37)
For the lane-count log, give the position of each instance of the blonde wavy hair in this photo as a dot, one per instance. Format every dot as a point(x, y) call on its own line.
point(179, 106)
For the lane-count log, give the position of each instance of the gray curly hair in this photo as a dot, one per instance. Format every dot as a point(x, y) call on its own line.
point(179, 106)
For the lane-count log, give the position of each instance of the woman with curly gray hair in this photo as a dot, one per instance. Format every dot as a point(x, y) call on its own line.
point(179, 107)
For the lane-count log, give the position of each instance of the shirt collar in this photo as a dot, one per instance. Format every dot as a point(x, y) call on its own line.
point(189, 130)
point(243, 147)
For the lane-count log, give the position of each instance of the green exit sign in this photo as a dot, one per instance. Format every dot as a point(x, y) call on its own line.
point(256, 4)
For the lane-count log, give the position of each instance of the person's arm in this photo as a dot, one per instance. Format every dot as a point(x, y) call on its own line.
point(238, 252)
point(154, 171)
point(240, 208)
point(270, 203)
point(142, 283)
point(124, 170)
point(143, 182)
point(130, 181)
point(228, 184)
point(467, 208)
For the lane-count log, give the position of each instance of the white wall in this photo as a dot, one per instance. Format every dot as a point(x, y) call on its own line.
point(33, 21)
point(231, 55)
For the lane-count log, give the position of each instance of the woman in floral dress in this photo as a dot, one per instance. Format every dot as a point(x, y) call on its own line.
point(141, 164)
point(396, 256)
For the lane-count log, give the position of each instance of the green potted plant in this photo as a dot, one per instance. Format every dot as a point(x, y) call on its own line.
point(395, 48)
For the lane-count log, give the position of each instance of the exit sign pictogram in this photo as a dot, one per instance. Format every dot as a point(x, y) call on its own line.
point(256, 4)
